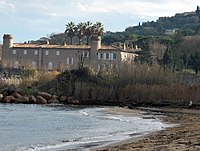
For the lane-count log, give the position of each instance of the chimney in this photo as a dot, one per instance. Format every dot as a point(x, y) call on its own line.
point(124, 46)
point(96, 42)
point(6, 50)
point(95, 46)
point(7, 40)
point(136, 46)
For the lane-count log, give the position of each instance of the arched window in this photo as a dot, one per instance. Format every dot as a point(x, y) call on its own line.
point(50, 66)
point(16, 64)
point(33, 64)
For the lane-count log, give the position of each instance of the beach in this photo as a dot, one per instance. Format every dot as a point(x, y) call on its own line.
point(185, 135)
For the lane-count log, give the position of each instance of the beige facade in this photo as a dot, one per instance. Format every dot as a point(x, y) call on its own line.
point(62, 57)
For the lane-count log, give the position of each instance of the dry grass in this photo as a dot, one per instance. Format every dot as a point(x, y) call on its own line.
point(40, 77)
point(138, 83)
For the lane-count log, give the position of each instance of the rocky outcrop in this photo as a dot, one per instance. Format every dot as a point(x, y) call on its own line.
point(13, 95)
point(32, 100)
point(41, 100)
point(22, 99)
point(45, 95)
point(53, 101)
point(8, 99)
point(63, 99)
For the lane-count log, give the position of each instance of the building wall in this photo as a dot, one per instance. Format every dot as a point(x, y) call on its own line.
point(45, 58)
point(108, 59)
point(50, 57)
point(128, 56)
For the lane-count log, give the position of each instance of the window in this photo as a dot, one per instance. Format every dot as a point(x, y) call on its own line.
point(107, 56)
point(70, 60)
point(57, 53)
point(25, 52)
point(85, 54)
point(99, 55)
point(33, 64)
point(46, 52)
point(36, 52)
point(50, 66)
point(14, 52)
point(114, 56)
point(16, 64)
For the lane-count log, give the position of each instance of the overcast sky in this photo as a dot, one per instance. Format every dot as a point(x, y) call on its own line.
point(32, 19)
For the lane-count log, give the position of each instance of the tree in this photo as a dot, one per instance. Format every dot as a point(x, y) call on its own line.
point(87, 30)
point(194, 62)
point(98, 29)
point(70, 30)
point(80, 31)
point(168, 57)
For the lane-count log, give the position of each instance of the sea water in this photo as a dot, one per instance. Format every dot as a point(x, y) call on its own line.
point(59, 127)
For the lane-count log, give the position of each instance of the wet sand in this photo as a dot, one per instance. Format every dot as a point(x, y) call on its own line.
point(183, 137)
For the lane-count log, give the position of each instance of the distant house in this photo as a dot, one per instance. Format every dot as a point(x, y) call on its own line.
point(49, 57)
point(170, 32)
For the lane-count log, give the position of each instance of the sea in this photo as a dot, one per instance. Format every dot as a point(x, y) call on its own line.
point(68, 128)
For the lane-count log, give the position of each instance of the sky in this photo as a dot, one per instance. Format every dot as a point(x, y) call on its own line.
point(32, 19)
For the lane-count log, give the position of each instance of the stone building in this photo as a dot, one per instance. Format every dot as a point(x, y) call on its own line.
point(62, 57)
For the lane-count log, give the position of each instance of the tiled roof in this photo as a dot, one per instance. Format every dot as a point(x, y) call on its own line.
point(62, 46)
point(110, 48)
point(51, 46)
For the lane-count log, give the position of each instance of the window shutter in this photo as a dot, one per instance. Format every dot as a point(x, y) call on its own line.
point(67, 60)
point(99, 55)
point(83, 53)
point(111, 55)
point(72, 60)
point(104, 56)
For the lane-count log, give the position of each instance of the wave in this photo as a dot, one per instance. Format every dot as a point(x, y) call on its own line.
point(84, 113)
point(79, 143)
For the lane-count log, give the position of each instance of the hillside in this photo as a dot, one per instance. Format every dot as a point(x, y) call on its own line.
point(187, 23)
point(183, 23)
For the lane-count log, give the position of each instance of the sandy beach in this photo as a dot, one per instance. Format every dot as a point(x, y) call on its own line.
point(185, 136)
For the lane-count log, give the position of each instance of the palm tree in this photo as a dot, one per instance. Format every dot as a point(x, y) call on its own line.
point(88, 30)
point(70, 30)
point(80, 31)
point(98, 29)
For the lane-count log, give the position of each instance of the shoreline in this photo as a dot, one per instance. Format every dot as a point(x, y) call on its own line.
point(184, 135)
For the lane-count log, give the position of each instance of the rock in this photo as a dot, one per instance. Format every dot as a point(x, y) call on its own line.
point(32, 100)
point(8, 99)
point(190, 104)
point(1, 97)
point(16, 95)
point(76, 102)
point(54, 96)
point(45, 95)
point(70, 99)
point(63, 99)
point(22, 99)
point(41, 100)
point(53, 101)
